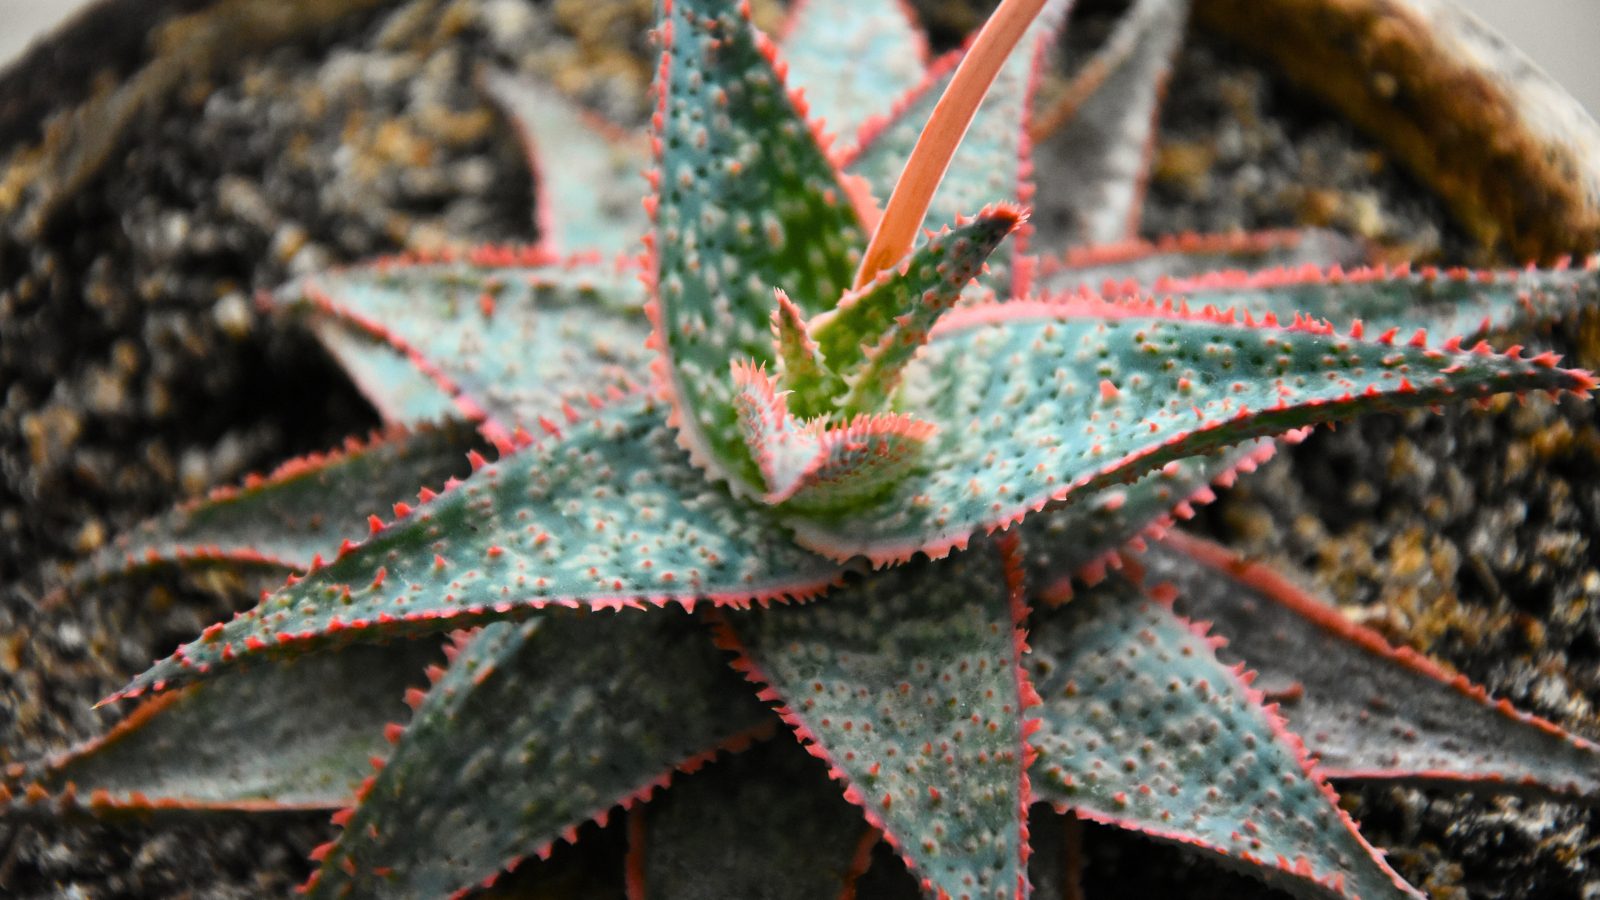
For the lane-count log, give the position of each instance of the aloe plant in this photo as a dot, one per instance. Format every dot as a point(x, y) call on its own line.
point(912, 470)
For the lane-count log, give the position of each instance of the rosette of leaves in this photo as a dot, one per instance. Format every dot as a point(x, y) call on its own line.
point(917, 491)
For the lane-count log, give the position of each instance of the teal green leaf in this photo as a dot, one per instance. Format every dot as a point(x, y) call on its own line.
point(1076, 542)
point(1144, 729)
point(536, 728)
point(764, 825)
point(287, 734)
point(906, 683)
point(304, 508)
point(612, 514)
point(1455, 303)
point(852, 58)
point(1035, 402)
point(396, 388)
point(747, 202)
point(516, 345)
point(588, 173)
point(1368, 710)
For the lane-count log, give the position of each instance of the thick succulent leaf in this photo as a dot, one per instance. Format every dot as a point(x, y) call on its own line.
point(587, 172)
point(1454, 303)
point(906, 683)
point(799, 360)
point(1365, 708)
point(1079, 541)
point(1035, 402)
point(1126, 267)
point(868, 340)
point(402, 394)
point(748, 201)
point(612, 514)
point(287, 734)
point(536, 728)
point(1146, 730)
point(852, 57)
point(813, 464)
point(994, 161)
point(762, 825)
point(1109, 133)
point(516, 345)
point(302, 509)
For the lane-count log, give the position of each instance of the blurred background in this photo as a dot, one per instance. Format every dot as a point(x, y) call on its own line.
point(1563, 35)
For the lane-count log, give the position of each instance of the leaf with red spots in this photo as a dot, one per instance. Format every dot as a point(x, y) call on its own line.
point(1144, 729)
point(763, 824)
point(1366, 709)
point(906, 683)
point(304, 508)
point(287, 734)
point(994, 161)
point(852, 57)
point(1036, 402)
point(535, 729)
point(747, 201)
point(1080, 541)
point(587, 173)
point(813, 464)
point(612, 514)
point(1455, 303)
point(871, 336)
point(516, 345)
point(1110, 118)
point(1122, 267)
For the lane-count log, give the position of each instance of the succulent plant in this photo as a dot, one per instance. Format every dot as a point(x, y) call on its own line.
point(916, 486)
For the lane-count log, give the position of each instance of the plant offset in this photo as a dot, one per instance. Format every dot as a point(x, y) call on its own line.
point(913, 506)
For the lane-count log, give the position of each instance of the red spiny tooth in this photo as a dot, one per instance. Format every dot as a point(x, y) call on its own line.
point(521, 437)
point(1388, 336)
point(401, 510)
point(569, 412)
point(476, 460)
point(392, 732)
point(320, 851)
point(425, 494)
point(342, 817)
point(345, 547)
point(415, 696)
point(549, 427)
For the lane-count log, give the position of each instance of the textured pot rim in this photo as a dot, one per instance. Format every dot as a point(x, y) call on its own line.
point(1516, 157)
